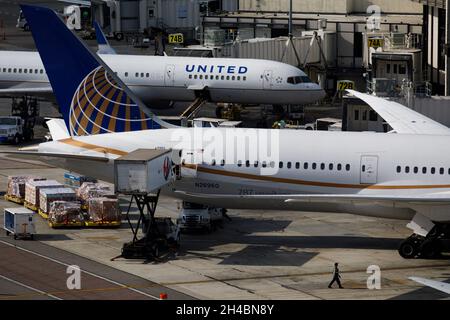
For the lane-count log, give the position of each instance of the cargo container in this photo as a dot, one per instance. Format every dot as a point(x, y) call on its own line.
point(65, 214)
point(76, 180)
point(19, 222)
point(16, 187)
point(143, 171)
point(103, 212)
point(32, 191)
point(47, 196)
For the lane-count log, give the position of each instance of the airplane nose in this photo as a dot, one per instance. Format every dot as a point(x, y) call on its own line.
point(320, 93)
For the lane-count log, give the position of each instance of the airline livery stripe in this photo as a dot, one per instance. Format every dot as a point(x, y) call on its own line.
point(264, 178)
point(311, 183)
point(93, 147)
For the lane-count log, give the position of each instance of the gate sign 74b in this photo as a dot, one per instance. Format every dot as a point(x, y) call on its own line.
point(176, 38)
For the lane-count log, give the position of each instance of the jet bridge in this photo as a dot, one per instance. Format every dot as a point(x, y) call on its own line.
point(141, 174)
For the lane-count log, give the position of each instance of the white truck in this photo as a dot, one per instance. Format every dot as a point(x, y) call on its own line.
point(11, 129)
point(195, 216)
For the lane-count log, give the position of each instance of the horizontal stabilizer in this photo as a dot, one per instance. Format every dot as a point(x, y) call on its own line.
point(438, 285)
point(38, 155)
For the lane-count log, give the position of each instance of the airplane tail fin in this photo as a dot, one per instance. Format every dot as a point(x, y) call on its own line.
point(92, 98)
point(103, 45)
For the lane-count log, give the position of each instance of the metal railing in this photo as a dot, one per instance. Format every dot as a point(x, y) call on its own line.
point(393, 88)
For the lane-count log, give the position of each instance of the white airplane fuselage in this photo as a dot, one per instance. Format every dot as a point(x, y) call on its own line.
point(156, 78)
point(328, 163)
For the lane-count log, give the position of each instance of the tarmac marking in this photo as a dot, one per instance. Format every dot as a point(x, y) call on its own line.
point(28, 287)
point(87, 272)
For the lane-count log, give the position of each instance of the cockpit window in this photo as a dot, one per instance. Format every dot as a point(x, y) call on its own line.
point(298, 79)
point(306, 79)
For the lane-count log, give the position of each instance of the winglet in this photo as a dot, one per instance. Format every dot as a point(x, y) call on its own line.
point(103, 45)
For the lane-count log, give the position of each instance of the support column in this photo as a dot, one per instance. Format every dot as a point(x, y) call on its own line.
point(447, 48)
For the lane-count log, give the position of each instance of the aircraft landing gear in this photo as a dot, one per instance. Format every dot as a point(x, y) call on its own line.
point(429, 247)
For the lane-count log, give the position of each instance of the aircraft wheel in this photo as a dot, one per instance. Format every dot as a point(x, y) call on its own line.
point(408, 249)
point(430, 249)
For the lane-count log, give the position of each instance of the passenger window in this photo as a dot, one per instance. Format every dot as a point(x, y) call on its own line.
point(272, 164)
point(31, 71)
point(244, 78)
point(15, 70)
point(330, 167)
point(233, 78)
point(399, 169)
point(222, 77)
point(322, 166)
point(147, 75)
point(424, 170)
point(297, 165)
point(247, 163)
point(416, 170)
point(36, 71)
point(200, 76)
point(238, 78)
point(213, 163)
point(222, 163)
point(20, 70)
point(347, 167)
point(195, 76)
point(264, 164)
point(441, 170)
point(281, 165)
point(142, 74)
point(433, 170)
point(255, 164)
point(137, 75)
point(314, 166)
point(339, 167)
point(9, 70)
point(239, 163)
point(289, 165)
point(217, 77)
point(363, 169)
point(305, 166)
point(126, 74)
point(406, 169)
point(25, 70)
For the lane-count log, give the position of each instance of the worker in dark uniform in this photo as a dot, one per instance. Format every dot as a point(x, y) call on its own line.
point(336, 277)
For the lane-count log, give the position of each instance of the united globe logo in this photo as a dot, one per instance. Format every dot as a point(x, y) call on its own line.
point(100, 105)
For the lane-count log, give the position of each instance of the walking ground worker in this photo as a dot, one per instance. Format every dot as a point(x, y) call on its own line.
point(336, 277)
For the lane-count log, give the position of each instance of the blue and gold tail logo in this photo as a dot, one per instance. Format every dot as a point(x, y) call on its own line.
point(100, 105)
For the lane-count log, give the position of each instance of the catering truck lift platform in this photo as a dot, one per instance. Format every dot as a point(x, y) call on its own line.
point(141, 174)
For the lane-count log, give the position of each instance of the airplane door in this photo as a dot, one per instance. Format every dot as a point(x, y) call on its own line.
point(267, 79)
point(169, 76)
point(369, 169)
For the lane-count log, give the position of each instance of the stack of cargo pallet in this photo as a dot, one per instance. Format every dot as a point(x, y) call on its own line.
point(103, 212)
point(65, 214)
point(76, 180)
point(90, 190)
point(16, 188)
point(32, 195)
point(49, 195)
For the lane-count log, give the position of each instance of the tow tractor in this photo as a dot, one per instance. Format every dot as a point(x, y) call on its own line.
point(20, 125)
point(142, 174)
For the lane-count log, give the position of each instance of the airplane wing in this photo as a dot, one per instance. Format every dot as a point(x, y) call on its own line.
point(38, 89)
point(438, 285)
point(402, 119)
